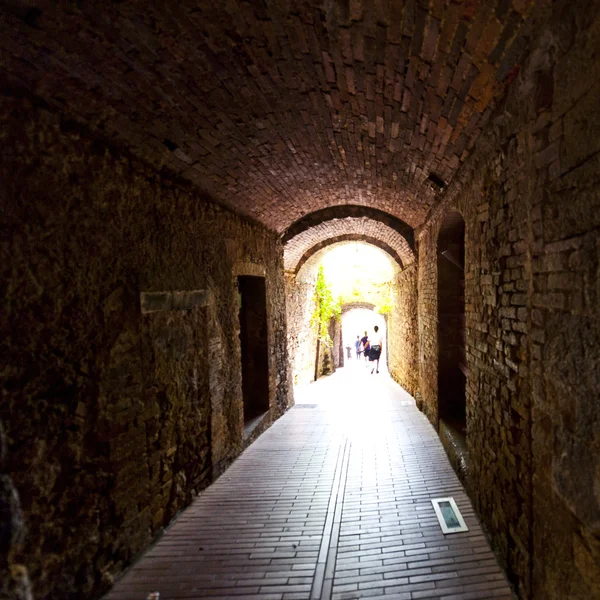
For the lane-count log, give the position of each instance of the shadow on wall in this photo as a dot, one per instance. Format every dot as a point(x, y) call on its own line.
point(115, 417)
point(452, 355)
point(14, 577)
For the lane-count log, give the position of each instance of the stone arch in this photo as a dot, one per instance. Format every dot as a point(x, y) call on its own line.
point(351, 211)
point(300, 247)
point(338, 329)
point(349, 237)
point(348, 306)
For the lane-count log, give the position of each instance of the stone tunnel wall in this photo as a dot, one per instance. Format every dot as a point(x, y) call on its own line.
point(403, 331)
point(529, 196)
point(116, 418)
point(302, 338)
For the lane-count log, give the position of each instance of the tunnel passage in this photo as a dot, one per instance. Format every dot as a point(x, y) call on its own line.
point(356, 318)
point(312, 238)
point(254, 350)
point(149, 146)
point(364, 275)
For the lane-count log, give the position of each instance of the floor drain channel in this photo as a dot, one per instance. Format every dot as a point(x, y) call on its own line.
point(451, 521)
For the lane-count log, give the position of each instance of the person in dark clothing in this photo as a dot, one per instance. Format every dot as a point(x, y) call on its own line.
point(366, 346)
point(375, 352)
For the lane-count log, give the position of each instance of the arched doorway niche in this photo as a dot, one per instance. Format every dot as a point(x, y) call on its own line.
point(451, 334)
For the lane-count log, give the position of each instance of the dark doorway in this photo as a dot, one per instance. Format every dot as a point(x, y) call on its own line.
point(253, 339)
point(452, 361)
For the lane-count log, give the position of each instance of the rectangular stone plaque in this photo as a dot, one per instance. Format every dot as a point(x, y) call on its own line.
point(181, 300)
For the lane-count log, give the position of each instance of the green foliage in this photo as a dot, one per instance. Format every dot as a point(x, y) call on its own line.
point(384, 308)
point(386, 303)
point(326, 307)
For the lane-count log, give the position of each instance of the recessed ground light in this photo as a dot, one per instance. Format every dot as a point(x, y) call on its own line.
point(451, 521)
point(437, 181)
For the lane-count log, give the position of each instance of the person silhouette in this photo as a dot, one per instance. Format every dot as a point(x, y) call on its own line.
point(375, 352)
point(364, 340)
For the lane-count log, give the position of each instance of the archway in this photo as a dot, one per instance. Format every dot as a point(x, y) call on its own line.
point(306, 242)
point(361, 275)
point(452, 363)
point(355, 320)
point(350, 237)
point(349, 211)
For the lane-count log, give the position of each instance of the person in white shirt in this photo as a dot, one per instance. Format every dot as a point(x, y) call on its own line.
point(375, 353)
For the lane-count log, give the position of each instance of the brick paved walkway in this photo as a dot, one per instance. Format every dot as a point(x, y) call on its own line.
point(331, 502)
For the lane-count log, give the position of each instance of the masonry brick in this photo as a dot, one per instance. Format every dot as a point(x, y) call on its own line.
point(300, 247)
point(522, 279)
point(153, 154)
point(256, 66)
point(107, 447)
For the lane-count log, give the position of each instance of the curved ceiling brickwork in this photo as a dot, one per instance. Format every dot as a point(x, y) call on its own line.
point(348, 211)
point(356, 305)
point(349, 237)
point(306, 243)
point(277, 108)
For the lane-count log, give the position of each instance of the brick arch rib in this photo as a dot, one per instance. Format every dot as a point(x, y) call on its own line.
point(305, 243)
point(349, 211)
point(349, 237)
point(348, 306)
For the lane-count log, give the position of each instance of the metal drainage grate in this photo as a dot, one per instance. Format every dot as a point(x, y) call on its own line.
point(451, 521)
point(306, 406)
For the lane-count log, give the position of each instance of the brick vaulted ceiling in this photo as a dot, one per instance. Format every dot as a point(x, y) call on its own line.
point(277, 108)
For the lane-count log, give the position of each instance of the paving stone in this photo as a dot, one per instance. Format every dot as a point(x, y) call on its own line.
point(348, 465)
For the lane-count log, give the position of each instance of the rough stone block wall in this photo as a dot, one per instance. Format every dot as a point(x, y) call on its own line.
point(564, 307)
point(427, 321)
point(119, 344)
point(403, 331)
point(529, 197)
point(302, 339)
